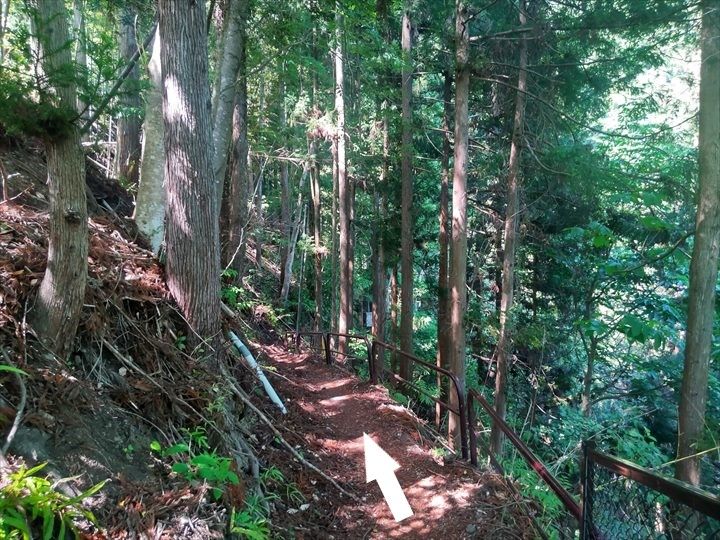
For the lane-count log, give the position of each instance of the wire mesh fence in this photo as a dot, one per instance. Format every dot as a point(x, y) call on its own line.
point(622, 500)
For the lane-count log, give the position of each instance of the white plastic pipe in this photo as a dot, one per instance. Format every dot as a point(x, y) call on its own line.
point(258, 371)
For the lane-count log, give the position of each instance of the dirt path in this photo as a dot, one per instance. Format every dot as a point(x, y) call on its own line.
point(331, 409)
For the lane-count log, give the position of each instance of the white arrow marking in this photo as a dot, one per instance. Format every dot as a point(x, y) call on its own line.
point(381, 467)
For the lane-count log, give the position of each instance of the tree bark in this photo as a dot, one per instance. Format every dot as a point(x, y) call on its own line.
point(344, 191)
point(407, 300)
point(293, 238)
point(193, 243)
point(704, 263)
point(127, 153)
point(458, 245)
point(444, 328)
point(285, 198)
point(62, 290)
point(4, 11)
point(512, 220)
point(239, 186)
point(232, 51)
point(150, 203)
point(80, 50)
point(317, 233)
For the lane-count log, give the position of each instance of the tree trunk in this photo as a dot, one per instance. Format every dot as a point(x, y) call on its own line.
point(60, 297)
point(344, 191)
point(512, 220)
point(407, 300)
point(293, 238)
point(394, 314)
point(127, 153)
point(239, 187)
point(335, 255)
point(379, 274)
point(150, 204)
point(232, 51)
point(193, 243)
point(458, 245)
point(4, 11)
point(704, 263)
point(444, 328)
point(285, 198)
point(317, 233)
point(259, 190)
point(80, 51)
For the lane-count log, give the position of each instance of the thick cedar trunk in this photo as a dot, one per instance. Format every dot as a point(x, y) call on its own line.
point(239, 185)
point(334, 293)
point(704, 264)
point(60, 298)
point(193, 244)
point(344, 192)
point(127, 154)
point(406, 235)
point(150, 204)
point(444, 329)
point(458, 245)
point(512, 219)
point(224, 100)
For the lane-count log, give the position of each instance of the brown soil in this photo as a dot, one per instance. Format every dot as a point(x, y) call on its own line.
point(329, 410)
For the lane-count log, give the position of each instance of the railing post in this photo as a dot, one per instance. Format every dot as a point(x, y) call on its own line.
point(586, 488)
point(297, 342)
point(471, 429)
point(463, 424)
point(328, 354)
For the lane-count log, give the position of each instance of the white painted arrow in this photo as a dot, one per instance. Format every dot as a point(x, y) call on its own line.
point(381, 467)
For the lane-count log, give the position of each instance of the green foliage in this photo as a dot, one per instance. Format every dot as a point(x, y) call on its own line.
point(195, 462)
point(29, 504)
point(248, 525)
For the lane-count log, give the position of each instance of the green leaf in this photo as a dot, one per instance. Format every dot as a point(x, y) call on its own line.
point(178, 448)
point(155, 446)
point(654, 223)
point(12, 369)
point(181, 468)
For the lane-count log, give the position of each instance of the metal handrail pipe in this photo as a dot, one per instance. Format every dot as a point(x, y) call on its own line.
point(568, 500)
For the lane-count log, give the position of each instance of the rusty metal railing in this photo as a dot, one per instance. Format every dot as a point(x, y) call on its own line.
point(460, 411)
point(623, 500)
point(332, 353)
point(569, 502)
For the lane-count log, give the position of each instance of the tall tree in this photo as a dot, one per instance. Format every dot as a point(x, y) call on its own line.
point(193, 244)
point(127, 154)
point(225, 89)
point(150, 203)
point(407, 300)
point(444, 328)
point(512, 220)
point(238, 191)
point(344, 189)
point(704, 263)
point(61, 293)
point(458, 245)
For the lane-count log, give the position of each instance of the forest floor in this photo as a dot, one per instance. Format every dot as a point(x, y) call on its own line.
point(130, 382)
point(329, 411)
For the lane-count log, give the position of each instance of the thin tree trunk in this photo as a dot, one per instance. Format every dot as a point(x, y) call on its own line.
point(150, 204)
point(394, 314)
point(704, 263)
point(127, 154)
point(334, 293)
point(259, 217)
point(80, 50)
point(239, 187)
point(512, 220)
point(292, 240)
point(285, 198)
point(193, 242)
point(232, 51)
point(458, 245)
point(344, 191)
point(317, 233)
point(62, 290)
point(444, 328)
point(379, 273)
point(4, 11)
point(407, 300)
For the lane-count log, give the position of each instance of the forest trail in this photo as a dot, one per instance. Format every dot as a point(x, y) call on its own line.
point(329, 409)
